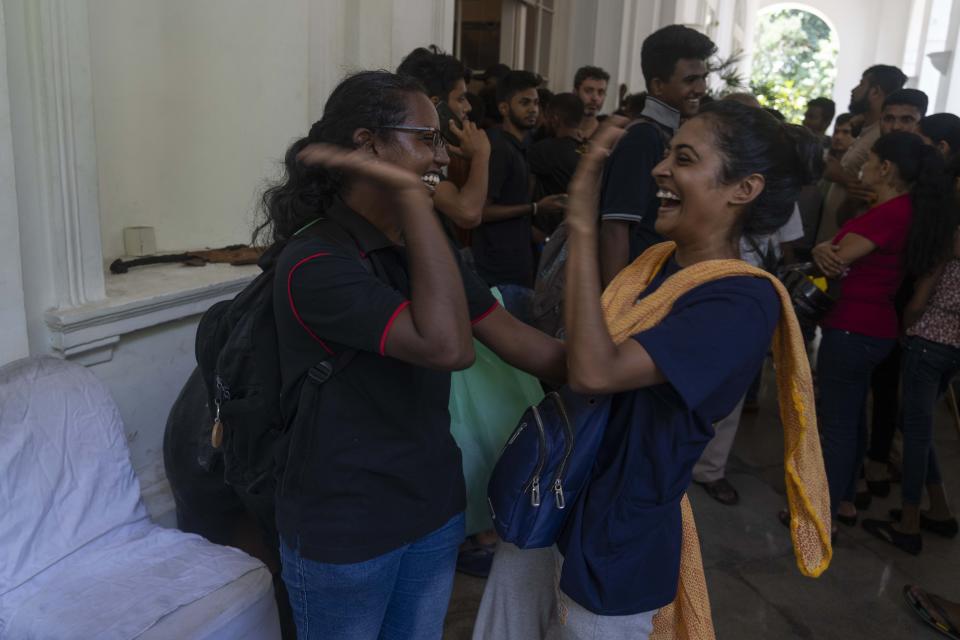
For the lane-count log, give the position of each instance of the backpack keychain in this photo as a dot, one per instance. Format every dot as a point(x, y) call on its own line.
point(216, 434)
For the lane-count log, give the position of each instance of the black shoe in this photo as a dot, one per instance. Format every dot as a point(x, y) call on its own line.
point(912, 543)
point(946, 528)
point(879, 488)
point(850, 521)
point(721, 490)
point(476, 561)
point(862, 500)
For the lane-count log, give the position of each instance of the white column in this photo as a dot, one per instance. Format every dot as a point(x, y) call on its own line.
point(948, 93)
point(48, 57)
point(748, 34)
point(726, 18)
point(13, 319)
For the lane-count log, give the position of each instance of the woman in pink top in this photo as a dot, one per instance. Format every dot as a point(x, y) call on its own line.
point(871, 254)
point(931, 359)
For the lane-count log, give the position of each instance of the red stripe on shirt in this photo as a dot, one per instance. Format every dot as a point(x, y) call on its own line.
point(483, 315)
point(386, 329)
point(293, 307)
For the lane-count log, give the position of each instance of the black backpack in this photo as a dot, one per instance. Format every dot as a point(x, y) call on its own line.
point(238, 357)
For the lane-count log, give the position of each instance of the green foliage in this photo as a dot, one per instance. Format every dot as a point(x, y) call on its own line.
point(794, 61)
point(726, 74)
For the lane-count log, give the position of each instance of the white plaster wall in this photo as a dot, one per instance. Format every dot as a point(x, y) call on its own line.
point(13, 319)
point(145, 375)
point(869, 32)
point(352, 35)
point(194, 103)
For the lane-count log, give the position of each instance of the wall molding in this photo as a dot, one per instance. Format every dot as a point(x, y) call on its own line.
point(88, 333)
point(58, 42)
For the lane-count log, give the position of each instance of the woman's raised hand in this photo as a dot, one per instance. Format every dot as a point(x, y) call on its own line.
point(360, 162)
point(584, 189)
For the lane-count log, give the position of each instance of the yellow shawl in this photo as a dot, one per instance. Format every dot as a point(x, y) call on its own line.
point(688, 617)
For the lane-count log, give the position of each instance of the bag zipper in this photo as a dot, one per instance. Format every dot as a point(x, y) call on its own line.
point(534, 484)
point(558, 479)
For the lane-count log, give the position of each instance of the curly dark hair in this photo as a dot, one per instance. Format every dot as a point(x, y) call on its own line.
point(437, 72)
point(751, 140)
point(370, 100)
point(589, 71)
point(935, 215)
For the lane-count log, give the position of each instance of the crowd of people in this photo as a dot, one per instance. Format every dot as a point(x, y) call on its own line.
point(410, 223)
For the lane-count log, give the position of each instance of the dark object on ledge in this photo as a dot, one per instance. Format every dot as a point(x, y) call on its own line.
point(235, 254)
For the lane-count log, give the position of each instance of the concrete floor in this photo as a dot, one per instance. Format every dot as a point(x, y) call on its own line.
point(756, 590)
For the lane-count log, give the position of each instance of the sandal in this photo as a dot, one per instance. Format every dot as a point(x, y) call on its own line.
point(946, 528)
point(721, 490)
point(912, 543)
point(929, 611)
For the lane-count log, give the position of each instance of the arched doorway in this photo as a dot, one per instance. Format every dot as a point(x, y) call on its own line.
point(795, 50)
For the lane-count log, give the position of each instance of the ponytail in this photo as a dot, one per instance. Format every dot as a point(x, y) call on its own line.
point(930, 239)
point(753, 141)
point(935, 218)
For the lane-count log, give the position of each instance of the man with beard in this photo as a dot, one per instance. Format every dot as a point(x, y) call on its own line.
point(866, 100)
point(590, 85)
point(503, 243)
point(673, 61)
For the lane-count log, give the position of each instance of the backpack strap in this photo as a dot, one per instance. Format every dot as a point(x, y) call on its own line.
point(662, 131)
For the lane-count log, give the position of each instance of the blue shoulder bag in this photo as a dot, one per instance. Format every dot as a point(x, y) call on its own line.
point(545, 466)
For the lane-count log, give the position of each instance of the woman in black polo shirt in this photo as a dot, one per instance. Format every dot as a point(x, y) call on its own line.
point(370, 507)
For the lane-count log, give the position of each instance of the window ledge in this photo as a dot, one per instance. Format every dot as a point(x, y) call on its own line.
point(142, 298)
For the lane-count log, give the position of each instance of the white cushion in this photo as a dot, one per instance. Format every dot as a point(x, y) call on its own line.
point(79, 557)
point(65, 474)
point(242, 610)
point(120, 585)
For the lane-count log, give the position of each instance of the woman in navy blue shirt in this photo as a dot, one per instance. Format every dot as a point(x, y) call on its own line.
point(728, 171)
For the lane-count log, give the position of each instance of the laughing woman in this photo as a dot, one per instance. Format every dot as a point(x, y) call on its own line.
point(677, 338)
point(370, 505)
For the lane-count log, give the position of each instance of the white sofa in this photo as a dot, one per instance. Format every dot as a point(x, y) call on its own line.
point(79, 556)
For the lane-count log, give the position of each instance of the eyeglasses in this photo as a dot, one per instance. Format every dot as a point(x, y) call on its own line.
point(436, 138)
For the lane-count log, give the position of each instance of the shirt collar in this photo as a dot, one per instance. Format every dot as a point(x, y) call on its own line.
point(519, 144)
point(368, 237)
point(661, 112)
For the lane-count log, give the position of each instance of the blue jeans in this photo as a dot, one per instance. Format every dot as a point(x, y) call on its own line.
point(845, 363)
point(927, 370)
point(399, 595)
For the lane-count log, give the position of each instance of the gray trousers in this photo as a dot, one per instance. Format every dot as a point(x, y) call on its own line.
point(523, 601)
point(712, 465)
